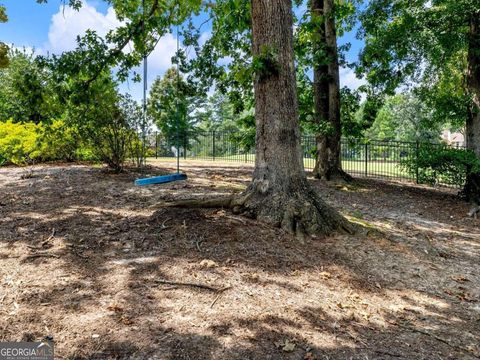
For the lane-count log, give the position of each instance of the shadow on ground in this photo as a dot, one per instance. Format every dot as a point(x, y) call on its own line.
point(409, 289)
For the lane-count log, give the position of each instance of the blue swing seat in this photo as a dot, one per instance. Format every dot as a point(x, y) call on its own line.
point(160, 179)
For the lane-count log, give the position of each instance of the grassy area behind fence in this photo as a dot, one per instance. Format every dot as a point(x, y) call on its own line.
point(360, 157)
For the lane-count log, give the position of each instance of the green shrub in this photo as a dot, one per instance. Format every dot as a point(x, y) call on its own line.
point(18, 143)
point(27, 143)
point(440, 164)
point(135, 149)
point(56, 141)
point(86, 153)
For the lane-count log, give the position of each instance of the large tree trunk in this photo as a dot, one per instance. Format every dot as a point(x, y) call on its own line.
point(279, 193)
point(327, 95)
point(472, 186)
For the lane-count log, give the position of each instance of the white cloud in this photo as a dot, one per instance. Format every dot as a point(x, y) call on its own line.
point(68, 23)
point(349, 79)
point(161, 58)
point(204, 37)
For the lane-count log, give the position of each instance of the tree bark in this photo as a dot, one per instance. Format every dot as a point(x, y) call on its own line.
point(320, 88)
point(327, 95)
point(472, 185)
point(279, 193)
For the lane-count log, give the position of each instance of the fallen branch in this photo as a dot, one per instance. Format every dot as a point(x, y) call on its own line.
point(52, 235)
point(163, 227)
point(198, 285)
point(44, 242)
point(218, 296)
point(34, 256)
point(215, 300)
point(235, 218)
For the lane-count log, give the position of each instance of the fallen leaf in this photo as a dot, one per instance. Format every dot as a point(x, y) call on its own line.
point(448, 291)
point(208, 264)
point(288, 346)
point(126, 321)
point(325, 275)
point(115, 308)
point(354, 296)
point(344, 306)
point(308, 356)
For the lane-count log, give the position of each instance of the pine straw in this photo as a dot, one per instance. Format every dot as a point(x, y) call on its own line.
point(409, 289)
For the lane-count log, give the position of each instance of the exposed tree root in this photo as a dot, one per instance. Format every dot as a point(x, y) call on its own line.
point(205, 203)
point(333, 175)
point(300, 212)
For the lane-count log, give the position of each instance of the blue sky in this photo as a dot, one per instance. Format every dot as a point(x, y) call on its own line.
point(49, 28)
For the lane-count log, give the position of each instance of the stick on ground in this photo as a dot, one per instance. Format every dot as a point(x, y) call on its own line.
point(198, 285)
point(34, 256)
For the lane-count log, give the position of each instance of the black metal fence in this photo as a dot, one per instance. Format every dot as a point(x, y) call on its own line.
point(360, 157)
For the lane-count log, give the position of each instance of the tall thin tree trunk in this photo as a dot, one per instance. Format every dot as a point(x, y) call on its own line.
point(472, 186)
point(328, 165)
point(279, 193)
point(320, 88)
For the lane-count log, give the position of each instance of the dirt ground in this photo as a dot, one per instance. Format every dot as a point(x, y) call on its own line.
point(86, 257)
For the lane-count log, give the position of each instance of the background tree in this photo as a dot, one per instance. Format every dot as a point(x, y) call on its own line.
point(404, 117)
point(101, 116)
point(440, 34)
point(3, 46)
point(137, 126)
point(352, 122)
point(172, 105)
point(317, 49)
point(218, 114)
point(26, 90)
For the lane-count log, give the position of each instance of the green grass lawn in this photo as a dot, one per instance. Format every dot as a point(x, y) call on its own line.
point(355, 167)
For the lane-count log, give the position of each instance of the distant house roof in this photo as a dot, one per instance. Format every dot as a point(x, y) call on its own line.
point(453, 138)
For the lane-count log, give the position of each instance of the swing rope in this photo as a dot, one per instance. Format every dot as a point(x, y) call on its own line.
point(164, 178)
point(145, 84)
point(177, 117)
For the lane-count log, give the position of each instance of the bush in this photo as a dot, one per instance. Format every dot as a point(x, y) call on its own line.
point(18, 143)
point(440, 164)
point(27, 143)
point(86, 153)
point(57, 141)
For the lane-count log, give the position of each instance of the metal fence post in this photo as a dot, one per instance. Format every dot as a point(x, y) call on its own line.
point(185, 143)
point(366, 159)
point(156, 144)
point(417, 157)
point(213, 144)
